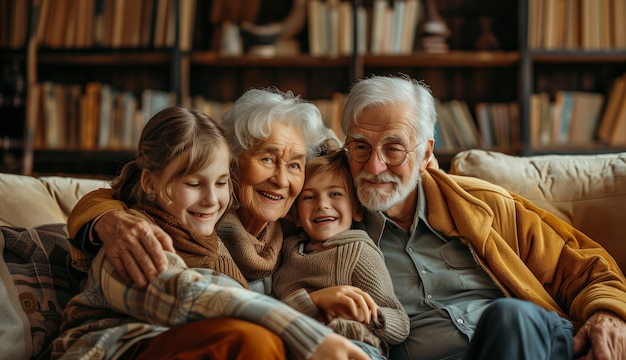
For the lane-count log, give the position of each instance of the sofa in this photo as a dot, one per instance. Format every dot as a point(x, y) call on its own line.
point(588, 191)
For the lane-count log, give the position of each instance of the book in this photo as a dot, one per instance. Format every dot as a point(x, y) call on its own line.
point(562, 110)
point(410, 20)
point(105, 115)
point(445, 135)
point(345, 23)
point(186, 24)
point(615, 98)
point(91, 115)
point(71, 24)
point(465, 123)
point(586, 109)
point(618, 25)
point(19, 24)
point(146, 19)
point(484, 120)
point(379, 11)
point(617, 134)
point(571, 36)
point(50, 116)
point(317, 28)
point(73, 94)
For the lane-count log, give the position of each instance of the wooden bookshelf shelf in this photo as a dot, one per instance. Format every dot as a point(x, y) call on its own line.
point(211, 58)
point(105, 58)
point(577, 56)
point(449, 59)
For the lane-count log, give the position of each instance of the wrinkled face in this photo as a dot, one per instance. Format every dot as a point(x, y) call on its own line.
point(325, 206)
point(271, 175)
point(380, 186)
point(198, 200)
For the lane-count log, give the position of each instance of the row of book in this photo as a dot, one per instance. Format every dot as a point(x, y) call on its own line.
point(612, 127)
point(69, 24)
point(577, 24)
point(570, 118)
point(96, 116)
point(579, 117)
point(384, 29)
point(496, 125)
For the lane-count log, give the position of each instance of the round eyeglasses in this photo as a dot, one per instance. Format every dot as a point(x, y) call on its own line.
point(392, 154)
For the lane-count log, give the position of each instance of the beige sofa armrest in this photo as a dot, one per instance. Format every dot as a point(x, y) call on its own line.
point(28, 201)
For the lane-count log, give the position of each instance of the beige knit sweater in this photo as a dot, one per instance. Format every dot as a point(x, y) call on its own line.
point(353, 259)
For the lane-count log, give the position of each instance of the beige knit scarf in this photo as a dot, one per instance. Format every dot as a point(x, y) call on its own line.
point(197, 250)
point(257, 258)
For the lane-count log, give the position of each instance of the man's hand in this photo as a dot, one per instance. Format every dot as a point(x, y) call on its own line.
point(336, 347)
point(602, 337)
point(348, 302)
point(134, 245)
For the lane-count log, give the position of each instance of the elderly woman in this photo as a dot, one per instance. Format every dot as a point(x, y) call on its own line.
point(272, 134)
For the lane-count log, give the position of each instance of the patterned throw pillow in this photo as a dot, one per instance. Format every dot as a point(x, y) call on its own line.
point(38, 279)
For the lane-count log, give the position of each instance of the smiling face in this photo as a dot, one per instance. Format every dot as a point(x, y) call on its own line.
point(200, 199)
point(325, 206)
point(380, 186)
point(271, 175)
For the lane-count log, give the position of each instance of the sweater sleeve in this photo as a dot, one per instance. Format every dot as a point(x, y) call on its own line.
point(90, 207)
point(371, 275)
point(180, 295)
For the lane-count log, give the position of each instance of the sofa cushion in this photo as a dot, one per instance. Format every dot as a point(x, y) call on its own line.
point(37, 281)
point(587, 191)
point(28, 201)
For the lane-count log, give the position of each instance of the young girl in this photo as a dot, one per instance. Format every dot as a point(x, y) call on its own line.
point(328, 253)
point(199, 306)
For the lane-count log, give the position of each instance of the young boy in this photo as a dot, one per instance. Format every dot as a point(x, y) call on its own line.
point(328, 253)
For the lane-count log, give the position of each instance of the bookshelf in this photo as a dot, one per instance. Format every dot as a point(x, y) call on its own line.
point(493, 59)
point(562, 55)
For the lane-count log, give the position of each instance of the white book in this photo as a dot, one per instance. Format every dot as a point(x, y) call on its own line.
point(345, 29)
point(396, 35)
point(379, 10)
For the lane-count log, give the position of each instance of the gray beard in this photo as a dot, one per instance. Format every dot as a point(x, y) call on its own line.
point(375, 200)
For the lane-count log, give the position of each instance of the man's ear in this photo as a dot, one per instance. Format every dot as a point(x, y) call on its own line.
point(428, 155)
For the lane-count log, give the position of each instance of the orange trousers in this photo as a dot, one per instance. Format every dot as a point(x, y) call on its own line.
point(215, 339)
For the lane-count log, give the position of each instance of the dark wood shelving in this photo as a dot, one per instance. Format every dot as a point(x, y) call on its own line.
point(577, 56)
point(212, 58)
point(449, 59)
point(105, 58)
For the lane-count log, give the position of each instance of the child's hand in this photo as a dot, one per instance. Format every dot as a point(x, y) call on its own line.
point(345, 301)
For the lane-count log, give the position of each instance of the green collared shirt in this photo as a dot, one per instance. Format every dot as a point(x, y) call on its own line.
point(435, 278)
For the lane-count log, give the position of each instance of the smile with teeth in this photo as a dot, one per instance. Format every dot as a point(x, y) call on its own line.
point(270, 196)
point(200, 214)
point(328, 218)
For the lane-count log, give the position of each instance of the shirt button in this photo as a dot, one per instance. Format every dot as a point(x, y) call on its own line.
point(429, 296)
point(460, 321)
point(410, 249)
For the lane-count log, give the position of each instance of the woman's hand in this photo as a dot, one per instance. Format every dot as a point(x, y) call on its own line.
point(345, 301)
point(336, 347)
point(134, 245)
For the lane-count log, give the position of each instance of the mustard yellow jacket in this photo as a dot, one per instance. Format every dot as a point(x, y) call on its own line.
point(530, 253)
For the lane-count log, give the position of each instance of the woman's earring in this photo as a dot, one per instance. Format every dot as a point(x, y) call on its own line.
point(151, 196)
